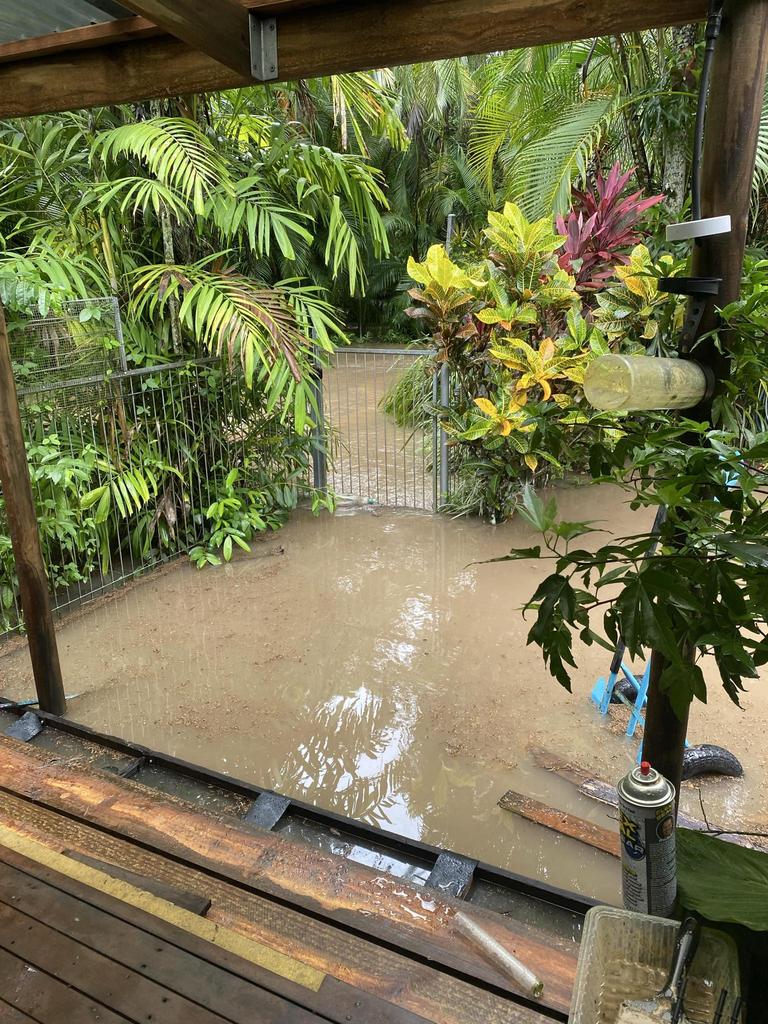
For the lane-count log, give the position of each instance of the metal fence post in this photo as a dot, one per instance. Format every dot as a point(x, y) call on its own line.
point(319, 440)
point(436, 452)
point(119, 334)
point(445, 390)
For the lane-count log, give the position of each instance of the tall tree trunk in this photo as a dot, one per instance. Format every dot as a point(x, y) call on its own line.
point(169, 256)
point(634, 137)
point(677, 145)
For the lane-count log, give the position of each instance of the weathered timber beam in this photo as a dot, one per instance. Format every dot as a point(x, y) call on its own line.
point(101, 34)
point(322, 40)
point(220, 30)
point(25, 540)
point(121, 30)
point(288, 870)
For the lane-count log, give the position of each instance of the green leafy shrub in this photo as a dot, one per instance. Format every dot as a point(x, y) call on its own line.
point(518, 338)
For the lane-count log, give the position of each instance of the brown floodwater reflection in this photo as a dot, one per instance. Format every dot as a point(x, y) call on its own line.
point(370, 663)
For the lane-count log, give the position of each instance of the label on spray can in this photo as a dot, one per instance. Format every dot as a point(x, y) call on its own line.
point(647, 835)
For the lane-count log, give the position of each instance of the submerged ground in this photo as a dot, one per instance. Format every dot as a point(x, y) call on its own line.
point(370, 663)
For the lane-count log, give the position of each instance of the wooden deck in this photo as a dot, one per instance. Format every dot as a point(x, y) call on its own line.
point(119, 903)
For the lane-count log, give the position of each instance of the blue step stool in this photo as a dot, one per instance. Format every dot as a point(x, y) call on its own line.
point(603, 689)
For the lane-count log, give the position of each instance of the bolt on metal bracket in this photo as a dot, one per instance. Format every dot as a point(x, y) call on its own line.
point(263, 48)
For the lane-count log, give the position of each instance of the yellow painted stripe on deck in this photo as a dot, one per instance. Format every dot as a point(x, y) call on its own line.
point(255, 952)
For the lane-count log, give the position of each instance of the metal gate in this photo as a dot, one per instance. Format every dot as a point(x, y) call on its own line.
point(375, 454)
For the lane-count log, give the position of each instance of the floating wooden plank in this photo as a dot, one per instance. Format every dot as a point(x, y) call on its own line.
point(560, 821)
point(328, 39)
point(385, 909)
point(602, 792)
point(552, 762)
point(384, 980)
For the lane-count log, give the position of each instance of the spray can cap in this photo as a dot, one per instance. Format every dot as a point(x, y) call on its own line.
point(645, 767)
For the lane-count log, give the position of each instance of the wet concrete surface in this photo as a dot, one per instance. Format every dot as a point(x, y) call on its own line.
point(369, 663)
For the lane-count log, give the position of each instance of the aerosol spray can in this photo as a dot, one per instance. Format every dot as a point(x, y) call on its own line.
point(647, 834)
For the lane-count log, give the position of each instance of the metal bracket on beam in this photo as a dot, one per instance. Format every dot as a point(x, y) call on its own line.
point(25, 728)
point(263, 48)
point(266, 811)
point(452, 874)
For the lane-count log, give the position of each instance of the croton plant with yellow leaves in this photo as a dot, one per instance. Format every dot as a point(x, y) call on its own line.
point(518, 336)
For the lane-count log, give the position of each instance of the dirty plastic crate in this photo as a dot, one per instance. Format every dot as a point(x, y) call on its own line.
point(624, 955)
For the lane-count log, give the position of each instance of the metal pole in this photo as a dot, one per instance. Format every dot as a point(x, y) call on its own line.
point(445, 385)
point(319, 441)
point(119, 335)
point(25, 539)
point(445, 388)
point(435, 443)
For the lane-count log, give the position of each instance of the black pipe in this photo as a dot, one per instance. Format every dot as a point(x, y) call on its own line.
point(714, 21)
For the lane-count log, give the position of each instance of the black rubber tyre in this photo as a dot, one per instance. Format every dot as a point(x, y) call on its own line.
point(626, 689)
point(708, 759)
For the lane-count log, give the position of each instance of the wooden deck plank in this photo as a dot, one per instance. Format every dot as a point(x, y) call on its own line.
point(124, 990)
point(392, 979)
point(372, 983)
point(186, 900)
point(182, 977)
point(336, 890)
point(11, 1015)
point(46, 1000)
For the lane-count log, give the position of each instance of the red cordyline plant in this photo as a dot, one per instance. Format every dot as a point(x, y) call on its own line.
point(599, 229)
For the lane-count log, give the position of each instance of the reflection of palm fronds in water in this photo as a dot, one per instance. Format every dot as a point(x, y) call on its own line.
point(356, 757)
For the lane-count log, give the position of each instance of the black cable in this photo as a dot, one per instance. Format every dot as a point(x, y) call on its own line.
point(714, 21)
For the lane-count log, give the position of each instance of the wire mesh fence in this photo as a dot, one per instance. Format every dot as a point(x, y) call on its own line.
point(83, 340)
point(381, 430)
point(124, 468)
point(125, 464)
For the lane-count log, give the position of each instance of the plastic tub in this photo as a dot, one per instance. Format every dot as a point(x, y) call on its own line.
point(624, 955)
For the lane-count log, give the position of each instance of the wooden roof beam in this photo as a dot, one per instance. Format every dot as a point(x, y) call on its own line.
point(347, 36)
point(101, 34)
point(219, 29)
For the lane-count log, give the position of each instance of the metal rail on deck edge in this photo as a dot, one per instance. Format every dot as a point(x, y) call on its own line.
point(562, 898)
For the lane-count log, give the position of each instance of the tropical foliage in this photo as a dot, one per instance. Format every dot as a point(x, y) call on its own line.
point(265, 225)
point(519, 335)
point(697, 586)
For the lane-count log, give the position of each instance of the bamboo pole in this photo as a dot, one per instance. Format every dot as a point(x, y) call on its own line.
point(22, 525)
point(730, 144)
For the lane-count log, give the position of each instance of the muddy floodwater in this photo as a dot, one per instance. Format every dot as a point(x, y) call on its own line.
point(370, 663)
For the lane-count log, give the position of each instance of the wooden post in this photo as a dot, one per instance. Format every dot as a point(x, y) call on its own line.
point(22, 524)
point(735, 103)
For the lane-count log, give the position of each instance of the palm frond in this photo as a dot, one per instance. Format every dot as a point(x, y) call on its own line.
point(175, 150)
